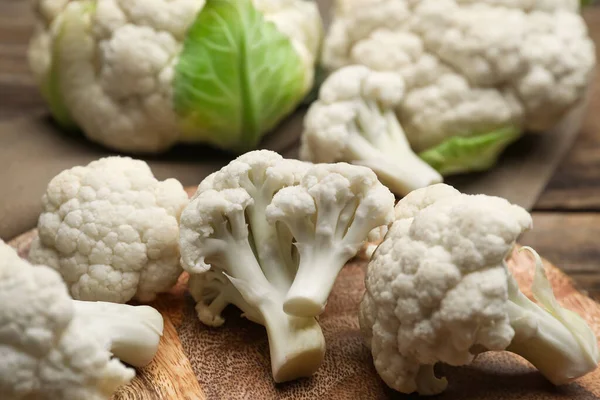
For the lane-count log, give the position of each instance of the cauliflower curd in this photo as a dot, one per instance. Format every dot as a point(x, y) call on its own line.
point(111, 229)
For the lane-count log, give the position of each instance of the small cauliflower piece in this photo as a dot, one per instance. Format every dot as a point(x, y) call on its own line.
point(329, 214)
point(234, 256)
point(53, 347)
point(438, 290)
point(354, 120)
point(140, 76)
point(111, 230)
point(269, 235)
point(477, 74)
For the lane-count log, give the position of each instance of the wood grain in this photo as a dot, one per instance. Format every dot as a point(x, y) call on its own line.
point(571, 241)
point(576, 183)
point(18, 93)
point(169, 376)
point(232, 362)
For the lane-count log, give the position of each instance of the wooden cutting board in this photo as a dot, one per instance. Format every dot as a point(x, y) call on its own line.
point(195, 362)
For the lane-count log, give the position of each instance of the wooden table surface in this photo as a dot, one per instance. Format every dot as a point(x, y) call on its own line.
point(566, 216)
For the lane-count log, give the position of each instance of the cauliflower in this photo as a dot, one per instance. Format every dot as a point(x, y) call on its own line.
point(140, 76)
point(354, 120)
point(53, 347)
point(476, 73)
point(111, 230)
point(438, 290)
point(246, 232)
point(329, 214)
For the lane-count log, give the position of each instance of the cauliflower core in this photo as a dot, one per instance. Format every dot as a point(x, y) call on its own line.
point(438, 290)
point(470, 67)
point(111, 229)
point(52, 347)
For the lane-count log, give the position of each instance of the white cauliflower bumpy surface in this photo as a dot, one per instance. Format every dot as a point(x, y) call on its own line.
point(51, 348)
point(111, 229)
point(120, 69)
point(471, 68)
point(438, 290)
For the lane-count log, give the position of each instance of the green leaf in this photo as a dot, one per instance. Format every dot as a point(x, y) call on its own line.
point(236, 78)
point(473, 153)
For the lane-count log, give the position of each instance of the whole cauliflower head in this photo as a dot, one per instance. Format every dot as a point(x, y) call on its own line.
point(437, 285)
point(139, 76)
point(46, 351)
point(470, 68)
point(111, 230)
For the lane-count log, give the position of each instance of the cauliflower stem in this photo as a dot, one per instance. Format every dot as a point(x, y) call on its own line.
point(329, 215)
point(133, 332)
point(379, 142)
point(296, 344)
point(354, 120)
point(555, 340)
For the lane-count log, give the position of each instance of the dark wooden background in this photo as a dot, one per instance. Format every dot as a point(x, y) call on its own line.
point(566, 216)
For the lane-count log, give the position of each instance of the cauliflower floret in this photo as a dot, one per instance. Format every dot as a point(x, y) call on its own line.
point(111, 229)
point(52, 347)
point(235, 256)
point(329, 214)
point(270, 235)
point(354, 121)
point(438, 290)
